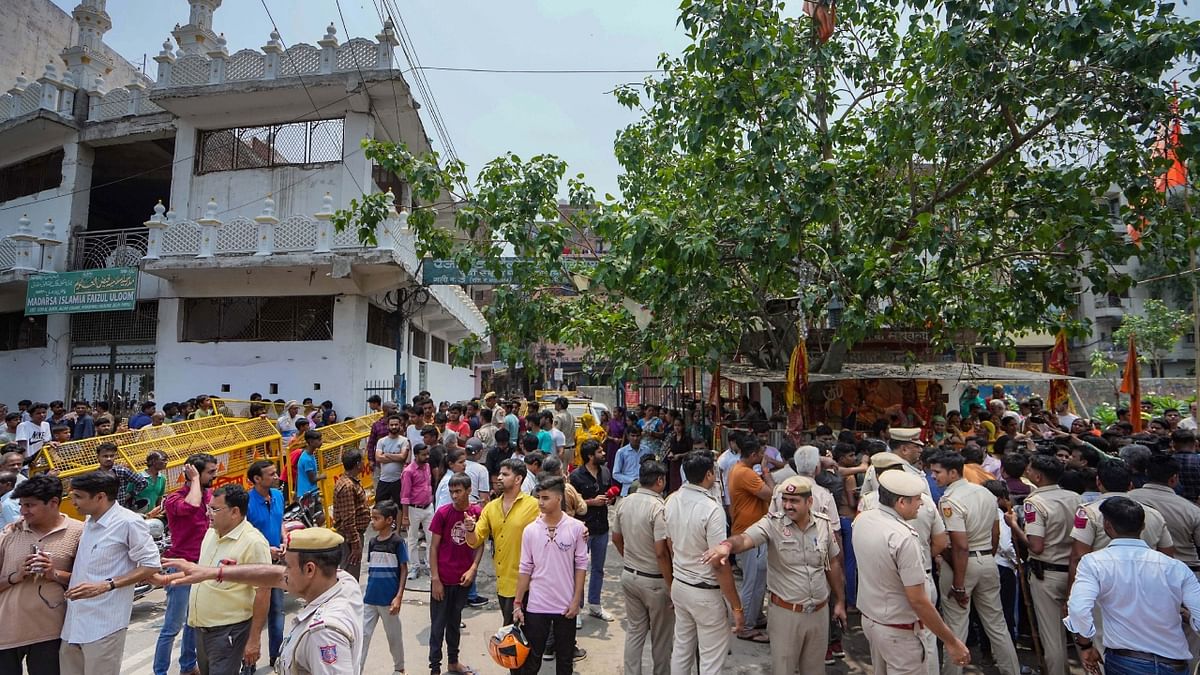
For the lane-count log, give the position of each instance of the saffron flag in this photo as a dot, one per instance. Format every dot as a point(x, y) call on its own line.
point(797, 377)
point(1165, 147)
point(1059, 362)
point(714, 400)
point(1131, 384)
point(824, 16)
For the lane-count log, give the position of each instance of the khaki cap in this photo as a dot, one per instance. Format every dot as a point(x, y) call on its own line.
point(902, 483)
point(906, 435)
point(796, 485)
point(882, 460)
point(315, 540)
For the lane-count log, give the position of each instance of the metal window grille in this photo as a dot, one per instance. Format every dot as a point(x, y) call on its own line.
point(293, 144)
point(419, 345)
point(255, 319)
point(103, 328)
point(31, 176)
point(381, 327)
point(20, 332)
point(437, 349)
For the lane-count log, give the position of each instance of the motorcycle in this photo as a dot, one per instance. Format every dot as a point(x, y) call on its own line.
point(162, 539)
point(304, 513)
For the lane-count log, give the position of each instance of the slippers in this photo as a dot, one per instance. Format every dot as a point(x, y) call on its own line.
point(467, 670)
point(754, 636)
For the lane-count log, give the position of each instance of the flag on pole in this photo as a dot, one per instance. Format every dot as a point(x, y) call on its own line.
point(714, 400)
point(1059, 362)
point(797, 377)
point(1131, 384)
point(824, 15)
point(1165, 147)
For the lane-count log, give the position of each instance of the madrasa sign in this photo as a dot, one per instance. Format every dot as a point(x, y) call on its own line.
point(107, 290)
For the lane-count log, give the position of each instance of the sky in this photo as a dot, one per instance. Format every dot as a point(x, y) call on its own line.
point(486, 114)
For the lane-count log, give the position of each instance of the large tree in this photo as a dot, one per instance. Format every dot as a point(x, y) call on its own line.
point(937, 165)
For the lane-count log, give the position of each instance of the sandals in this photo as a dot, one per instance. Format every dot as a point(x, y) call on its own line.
point(754, 636)
point(467, 670)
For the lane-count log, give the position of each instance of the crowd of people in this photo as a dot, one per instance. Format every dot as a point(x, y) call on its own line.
point(987, 526)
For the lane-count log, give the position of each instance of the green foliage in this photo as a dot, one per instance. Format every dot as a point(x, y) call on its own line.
point(938, 165)
point(1155, 331)
point(1105, 413)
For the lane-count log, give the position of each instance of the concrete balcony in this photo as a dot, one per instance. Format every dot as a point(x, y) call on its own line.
point(112, 248)
point(1111, 308)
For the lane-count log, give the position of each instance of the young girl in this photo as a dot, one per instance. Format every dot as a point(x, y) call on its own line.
point(387, 569)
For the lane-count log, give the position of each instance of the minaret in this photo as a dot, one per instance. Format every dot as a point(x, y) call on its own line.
point(86, 59)
point(197, 37)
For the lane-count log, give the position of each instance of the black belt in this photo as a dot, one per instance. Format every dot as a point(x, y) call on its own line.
point(1147, 656)
point(707, 587)
point(979, 554)
point(643, 574)
point(1051, 567)
point(418, 506)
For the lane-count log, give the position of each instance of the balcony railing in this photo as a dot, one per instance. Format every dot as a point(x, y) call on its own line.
point(113, 248)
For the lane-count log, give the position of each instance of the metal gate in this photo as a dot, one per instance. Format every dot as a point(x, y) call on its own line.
point(385, 389)
point(112, 356)
point(657, 390)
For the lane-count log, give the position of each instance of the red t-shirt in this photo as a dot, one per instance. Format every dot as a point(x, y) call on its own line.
point(187, 523)
point(454, 554)
point(462, 428)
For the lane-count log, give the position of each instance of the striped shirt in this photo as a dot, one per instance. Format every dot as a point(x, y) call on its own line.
point(384, 558)
point(111, 546)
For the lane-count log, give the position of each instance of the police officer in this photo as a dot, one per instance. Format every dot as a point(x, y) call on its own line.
point(1049, 520)
point(893, 598)
point(640, 536)
point(932, 532)
point(324, 638)
point(969, 575)
point(801, 547)
point(907, 444)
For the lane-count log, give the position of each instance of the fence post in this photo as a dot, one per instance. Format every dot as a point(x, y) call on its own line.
point(266, 228)
point(329, 45)
point(155, 225)
point(324, 225)
point(208, 229)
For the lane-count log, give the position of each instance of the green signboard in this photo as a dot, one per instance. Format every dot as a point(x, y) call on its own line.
point(440, 272)
point(106, 290)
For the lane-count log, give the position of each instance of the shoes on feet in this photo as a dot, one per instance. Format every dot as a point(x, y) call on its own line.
point(477, 602)
point(599, 612)
point(829, 660)
point(580, 654)
point(578, 621)
point(836, 648)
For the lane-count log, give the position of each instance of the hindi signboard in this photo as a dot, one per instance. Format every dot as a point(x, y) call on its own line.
point(105, 290)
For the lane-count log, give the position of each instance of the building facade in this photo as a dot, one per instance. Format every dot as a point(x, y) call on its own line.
point(218, 181)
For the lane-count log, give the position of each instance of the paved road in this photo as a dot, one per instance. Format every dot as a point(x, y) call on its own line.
point(603, 641)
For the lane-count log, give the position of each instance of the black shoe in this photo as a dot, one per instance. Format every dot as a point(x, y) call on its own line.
point(477, 602)
point(548, 656)
point(580, 654)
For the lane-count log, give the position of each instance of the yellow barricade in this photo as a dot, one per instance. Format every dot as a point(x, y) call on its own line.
point(234, 444)
point(231, 407)
point(81, 454)
point(336, 439)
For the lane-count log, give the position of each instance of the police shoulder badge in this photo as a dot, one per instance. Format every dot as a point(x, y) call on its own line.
point(1030, 513)
point(1081, 518)
point(329, 654)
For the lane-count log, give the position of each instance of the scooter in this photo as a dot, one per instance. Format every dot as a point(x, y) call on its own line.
point(304, 513)
point(162, 539)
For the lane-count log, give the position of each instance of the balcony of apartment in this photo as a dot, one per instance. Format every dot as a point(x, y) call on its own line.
point(1110, 308)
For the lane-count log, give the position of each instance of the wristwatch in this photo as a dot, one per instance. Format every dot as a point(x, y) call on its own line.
point(112, 585)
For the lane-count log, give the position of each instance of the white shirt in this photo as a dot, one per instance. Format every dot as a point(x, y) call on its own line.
point(1006, 554)
point(1139, 592)
point(1065, 421)
point(34, 436)
point(414, 435)
point(110, 547)
point(481, 482)
point(529, 485)
point(560, 441)
point(724, 464)
point(1188, 422)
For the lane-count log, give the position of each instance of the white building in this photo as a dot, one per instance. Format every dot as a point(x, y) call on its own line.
point(217, 180)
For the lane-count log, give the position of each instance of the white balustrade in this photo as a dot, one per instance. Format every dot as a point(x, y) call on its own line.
point(50, 243)
point(23, 240)
point(266, 228)
point(154, 237)
point(209, 225)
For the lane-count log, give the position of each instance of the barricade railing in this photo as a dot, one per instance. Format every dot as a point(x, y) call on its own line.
point(81, 454)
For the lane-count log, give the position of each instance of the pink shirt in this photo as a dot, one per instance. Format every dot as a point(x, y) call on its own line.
point(416, 485)
point(187, 523)
point(551, 564)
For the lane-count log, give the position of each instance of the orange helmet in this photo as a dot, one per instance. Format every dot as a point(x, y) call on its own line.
point(508, 647)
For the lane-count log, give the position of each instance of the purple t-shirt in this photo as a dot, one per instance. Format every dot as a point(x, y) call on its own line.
point(455, 556)
point(551, 563)
point(187, 523)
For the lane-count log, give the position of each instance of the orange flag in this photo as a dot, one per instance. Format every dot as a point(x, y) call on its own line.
point(1166, 146)
point(1131, 384)
point(824, 15)
point(1059, 362)
point(797, 377)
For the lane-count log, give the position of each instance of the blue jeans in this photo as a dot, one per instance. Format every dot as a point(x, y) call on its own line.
point(175, 619)
point(1115, 664)
point(275, 624)
point(851, 563)
point(598, 549)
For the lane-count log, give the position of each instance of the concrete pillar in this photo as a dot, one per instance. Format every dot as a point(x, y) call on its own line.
point(356, 168)
point(95, 98)
point(166, 61)
point(209, 227)
point(23, 240)
point(266, 228)
point(387, 44)
point(16, 92)
point(155, 225)
point(49, 82)
point(328, 45)
point(137, 95)
point(384, 240)
point(181, 169)
point(66, 102)
point(77, 177)
point(51, 243)
point(217, 58)
point(324, 225)
point(272, 49)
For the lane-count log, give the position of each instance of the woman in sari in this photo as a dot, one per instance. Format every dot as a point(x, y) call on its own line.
point(614, 426)
point(679, 444)
point(588, 431)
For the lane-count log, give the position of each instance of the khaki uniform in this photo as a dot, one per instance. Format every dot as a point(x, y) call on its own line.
point(325, 638)
point(889, 560)
point(797, 560)
point(1050, 514)
point(1183, 522)
point(971, 509)
point(928, 523)
point(641, 520)
point(870, 483)
point(696, 523)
